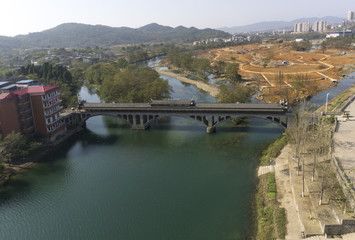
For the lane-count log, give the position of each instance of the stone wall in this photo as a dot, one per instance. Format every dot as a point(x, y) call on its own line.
point(345, 182)
point(347, 226)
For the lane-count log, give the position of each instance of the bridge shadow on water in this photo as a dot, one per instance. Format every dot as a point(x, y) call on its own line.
point(185, 124)
point(88, 137)
point(177, 123)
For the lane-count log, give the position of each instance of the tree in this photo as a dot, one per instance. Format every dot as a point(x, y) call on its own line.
point(312, 139)
point(232, 73)
point(324, 133)
point(297, 134)
point(54, 75)
point(122, 63)
point(13, 145)
point(323, 46)
point(234, 93)
point(219, 67)
point(98, 73)
point(134, 84)
point(301, 46)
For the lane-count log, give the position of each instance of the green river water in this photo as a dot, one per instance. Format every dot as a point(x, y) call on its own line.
point(173, 181)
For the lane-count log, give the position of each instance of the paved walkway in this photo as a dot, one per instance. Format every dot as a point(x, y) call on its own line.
point(331, 79)
point(303, 213)
point(285, 195)
point(344, 142)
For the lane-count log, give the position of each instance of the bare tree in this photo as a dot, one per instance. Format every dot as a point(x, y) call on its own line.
point(298, 133)
point(320, 149)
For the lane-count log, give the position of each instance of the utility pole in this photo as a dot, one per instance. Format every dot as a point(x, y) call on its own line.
point(326, 104)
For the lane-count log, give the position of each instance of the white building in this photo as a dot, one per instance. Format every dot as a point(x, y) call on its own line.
point(339, 34)
point(302, 27)
point(351, 16)
point(319, 26)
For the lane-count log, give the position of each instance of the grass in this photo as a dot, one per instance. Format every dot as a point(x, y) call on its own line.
point(270, 217)
point(273, 150)
point(280, 222)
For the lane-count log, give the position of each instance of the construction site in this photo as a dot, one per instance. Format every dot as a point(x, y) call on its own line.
point(279, 72)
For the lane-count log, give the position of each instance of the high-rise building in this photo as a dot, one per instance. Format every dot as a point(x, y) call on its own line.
point(298, 27)
point(33, 109)
point(306, 27)
point(351, 16)
point(319, 26)
point(301, 27)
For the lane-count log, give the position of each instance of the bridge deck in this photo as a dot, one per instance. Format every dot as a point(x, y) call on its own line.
point(210, 107)
point(139, 115)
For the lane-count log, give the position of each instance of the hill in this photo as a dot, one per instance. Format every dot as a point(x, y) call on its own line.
point(84, 35)
point(273, 25)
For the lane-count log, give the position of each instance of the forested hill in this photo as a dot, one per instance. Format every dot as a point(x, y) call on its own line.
point(83, 35)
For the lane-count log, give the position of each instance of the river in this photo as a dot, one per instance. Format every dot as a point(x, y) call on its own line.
point(320, 99)
point(173, 181)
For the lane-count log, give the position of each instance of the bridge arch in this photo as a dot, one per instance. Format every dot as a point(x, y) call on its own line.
point(142, 121)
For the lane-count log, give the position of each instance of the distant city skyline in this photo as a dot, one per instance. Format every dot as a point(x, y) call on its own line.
point(23, 16)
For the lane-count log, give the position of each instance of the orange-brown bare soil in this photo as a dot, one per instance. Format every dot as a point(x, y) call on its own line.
point(282, 73)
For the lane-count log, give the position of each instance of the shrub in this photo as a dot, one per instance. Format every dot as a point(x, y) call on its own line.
point(271, 178)
point(272, 195)
point(272, 188)
point(281, 222)
point(273, 150)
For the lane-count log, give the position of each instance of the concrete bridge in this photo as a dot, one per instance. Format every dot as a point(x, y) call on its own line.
point(140, 115)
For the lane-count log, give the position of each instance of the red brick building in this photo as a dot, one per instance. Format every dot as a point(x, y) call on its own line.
point(33, 109)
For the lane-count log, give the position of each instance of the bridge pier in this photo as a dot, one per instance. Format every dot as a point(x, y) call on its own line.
point(139, 127)
point(140, 115)
point(211, 129)
point(139, 122)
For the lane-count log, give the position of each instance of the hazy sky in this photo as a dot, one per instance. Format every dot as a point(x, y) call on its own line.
point(24, 16)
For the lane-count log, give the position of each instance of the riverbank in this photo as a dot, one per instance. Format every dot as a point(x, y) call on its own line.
point(269, 216)
point(305, 217)
point(20, 165)
point(338, 102)
point(211, 90)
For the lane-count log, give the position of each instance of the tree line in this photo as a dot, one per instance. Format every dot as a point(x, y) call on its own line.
point(56, 75)
point(184, 59)
point(341, 43)
point(228, 93)
point(132, 83)
point(312, 139)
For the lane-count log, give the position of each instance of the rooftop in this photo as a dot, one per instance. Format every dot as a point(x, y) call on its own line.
point(34, 90)
point(9, 87)
point(26, 81)
point(6, 96)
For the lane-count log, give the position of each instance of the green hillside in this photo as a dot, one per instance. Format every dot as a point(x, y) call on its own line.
point(83, 35)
